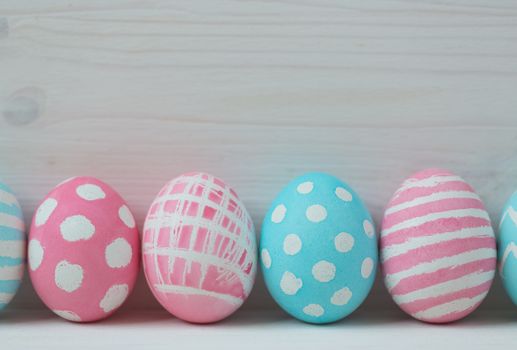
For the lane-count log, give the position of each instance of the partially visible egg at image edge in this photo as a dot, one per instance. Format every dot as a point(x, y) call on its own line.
point(13, 243)
point(507, 247)
point(318, 249)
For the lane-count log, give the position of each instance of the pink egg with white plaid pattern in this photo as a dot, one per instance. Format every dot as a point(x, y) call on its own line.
point(84, 250)
point(438, 249)
point(199, 249)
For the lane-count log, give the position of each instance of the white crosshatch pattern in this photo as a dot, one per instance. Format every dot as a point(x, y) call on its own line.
point(235, 261)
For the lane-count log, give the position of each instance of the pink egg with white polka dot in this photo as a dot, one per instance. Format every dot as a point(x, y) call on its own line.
point(83, 250)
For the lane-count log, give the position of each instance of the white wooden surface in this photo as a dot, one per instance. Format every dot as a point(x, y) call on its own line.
point(257, 92)
point(255, 331)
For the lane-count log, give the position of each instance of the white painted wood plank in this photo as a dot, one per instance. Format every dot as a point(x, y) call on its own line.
point(255, 330)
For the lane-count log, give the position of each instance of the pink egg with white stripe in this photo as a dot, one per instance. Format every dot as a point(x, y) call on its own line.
point(199, 249)
point(438, 249)
point(84, 250)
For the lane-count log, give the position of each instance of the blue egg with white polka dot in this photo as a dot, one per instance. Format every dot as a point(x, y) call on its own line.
point(12, 245)
point(318, 249)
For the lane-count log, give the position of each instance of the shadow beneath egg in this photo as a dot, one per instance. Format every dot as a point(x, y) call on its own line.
point(24, 316)
point(264, 318)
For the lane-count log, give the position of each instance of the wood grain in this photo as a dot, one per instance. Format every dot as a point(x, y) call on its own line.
point(257, 92)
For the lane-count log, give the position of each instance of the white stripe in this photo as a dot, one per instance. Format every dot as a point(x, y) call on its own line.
point(8, 198)
point(438, 264)
point(8, 273)
point(454, 306)
point(173, 220)
point(12, 249)
point(203, 202)
point(210, 184)
point(420, 220)
point(424, 241)
point(432, 198)
point(511, 213)
point(510, 249)
point(427, 182)
point(168, 288)
point(11, 221)
point(201, 258)
point(464, 282)
point(6, 297)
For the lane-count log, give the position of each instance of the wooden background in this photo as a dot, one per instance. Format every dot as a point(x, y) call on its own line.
point(257, 92)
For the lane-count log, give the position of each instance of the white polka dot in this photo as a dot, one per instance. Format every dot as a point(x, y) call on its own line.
point(126, 216)
point(344, 242)
point(343, 194)
point(368, 228)
point(305, 187)
point(118, 253)
point(324, 271)
point(36, 254)
point(367, 267)
point(114, 297)
point(292, 244)
point(278, 214)
point(266, 258)
point(77, 227)
point(44, 211)
point(90, 192)
point(316, 213)
point(315, 310)
point(290, 284)
point(68, 315)
point(341, 297)
point(67, 276)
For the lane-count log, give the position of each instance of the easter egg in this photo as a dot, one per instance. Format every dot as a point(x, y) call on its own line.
point(318, 249)
point(508, 247)
point(83, 250)
point(438, 249)
point(12, 245)
point(199, 249)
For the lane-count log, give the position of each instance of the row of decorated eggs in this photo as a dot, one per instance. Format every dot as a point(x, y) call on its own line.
point(437, 248)
point(198, 249)
point(318, 251)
